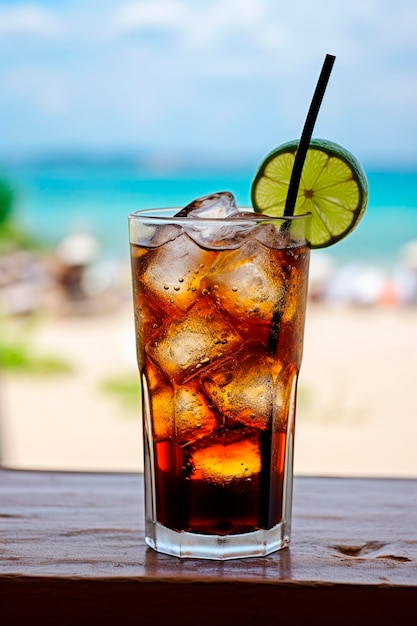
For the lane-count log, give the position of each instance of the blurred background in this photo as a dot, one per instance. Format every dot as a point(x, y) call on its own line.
point(109, 106)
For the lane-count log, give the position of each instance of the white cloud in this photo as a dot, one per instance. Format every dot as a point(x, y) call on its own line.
point(198, 24)
point(271, 37)
point(134, 16)
point(45, 90)
point(178, 68)
point(28, 19)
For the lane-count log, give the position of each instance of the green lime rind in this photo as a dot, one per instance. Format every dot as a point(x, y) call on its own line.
point(333, 188)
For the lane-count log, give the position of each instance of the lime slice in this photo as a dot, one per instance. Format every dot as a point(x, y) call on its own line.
point(333, 188)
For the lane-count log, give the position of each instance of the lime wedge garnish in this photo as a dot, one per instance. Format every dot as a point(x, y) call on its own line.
point(333, 188)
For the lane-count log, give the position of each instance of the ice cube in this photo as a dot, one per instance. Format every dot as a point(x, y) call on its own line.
point(217, 206)
point(296, 264)
point(185, 346)
point(179, 414)
point(147, 322)
point(171, 274)
point(160, 400)
point(246, 387)
point(152, 236)
point(148, 317)
point(270, 235)
point(193, 417)
point(162, 413)
point(227, 456)
point(163, 234)
point(247, 283)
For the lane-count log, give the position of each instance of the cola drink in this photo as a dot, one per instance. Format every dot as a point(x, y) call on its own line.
point(219, 312)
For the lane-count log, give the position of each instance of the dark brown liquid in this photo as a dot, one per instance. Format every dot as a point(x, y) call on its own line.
point(188, 503)
point(220, 349)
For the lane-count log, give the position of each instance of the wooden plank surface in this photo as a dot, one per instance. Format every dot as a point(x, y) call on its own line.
point(72, 552)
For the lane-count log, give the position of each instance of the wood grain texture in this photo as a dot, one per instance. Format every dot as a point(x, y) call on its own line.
point(72, 552)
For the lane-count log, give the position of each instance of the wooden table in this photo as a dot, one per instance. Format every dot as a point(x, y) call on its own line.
point(72, 553)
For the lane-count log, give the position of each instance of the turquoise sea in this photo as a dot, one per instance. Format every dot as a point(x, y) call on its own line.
point(56, 198)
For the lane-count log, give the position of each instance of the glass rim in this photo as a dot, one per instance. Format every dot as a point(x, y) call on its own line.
point(248, 215)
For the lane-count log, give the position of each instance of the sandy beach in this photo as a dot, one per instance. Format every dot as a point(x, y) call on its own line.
point(357, 411)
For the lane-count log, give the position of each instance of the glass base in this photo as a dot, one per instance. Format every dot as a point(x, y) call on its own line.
point(218, 547)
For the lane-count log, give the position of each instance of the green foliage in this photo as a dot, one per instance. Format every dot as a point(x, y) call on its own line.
point(12, 235)
point(17, 354)
point(304, 395)
point(6, 201)
point(125, 389)
point(16, 357)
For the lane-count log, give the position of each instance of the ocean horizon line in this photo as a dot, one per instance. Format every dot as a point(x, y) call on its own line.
point(169, 163)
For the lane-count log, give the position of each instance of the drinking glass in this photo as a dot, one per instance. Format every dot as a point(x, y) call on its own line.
point(219, 315)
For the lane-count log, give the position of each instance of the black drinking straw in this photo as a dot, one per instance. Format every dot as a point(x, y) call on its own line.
point(306, 134)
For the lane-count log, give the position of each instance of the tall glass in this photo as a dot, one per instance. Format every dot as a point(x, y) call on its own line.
point(219, 313)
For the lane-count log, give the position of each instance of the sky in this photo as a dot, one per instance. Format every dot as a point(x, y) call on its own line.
point(206, 77)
